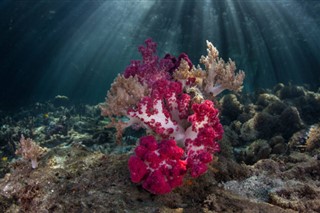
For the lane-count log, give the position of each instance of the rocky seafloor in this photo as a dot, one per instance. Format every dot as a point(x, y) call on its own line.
point(269, 160)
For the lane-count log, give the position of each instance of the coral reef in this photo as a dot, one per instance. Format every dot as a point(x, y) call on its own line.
point(85, 170)
point(268, 159)
point(73, 178)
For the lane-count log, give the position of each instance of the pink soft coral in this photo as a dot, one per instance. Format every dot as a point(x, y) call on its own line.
point(162, 111)
point(185, 125)
point(202, 136)
point(165, 115)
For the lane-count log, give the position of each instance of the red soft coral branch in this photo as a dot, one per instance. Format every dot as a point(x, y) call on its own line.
point(150, 69)
point(201, 137)
point(157, 165)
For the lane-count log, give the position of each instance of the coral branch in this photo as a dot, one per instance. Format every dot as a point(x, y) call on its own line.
point(123, 94)
point(201, 137)
point(220, 75)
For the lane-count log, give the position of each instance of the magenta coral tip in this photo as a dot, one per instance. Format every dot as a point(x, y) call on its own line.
point(137, 169)
point(156, 183)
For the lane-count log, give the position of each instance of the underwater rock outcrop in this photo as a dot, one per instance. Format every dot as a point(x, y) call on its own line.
point(278, 117)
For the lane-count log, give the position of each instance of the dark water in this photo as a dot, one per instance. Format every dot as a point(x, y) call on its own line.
point(77, 47)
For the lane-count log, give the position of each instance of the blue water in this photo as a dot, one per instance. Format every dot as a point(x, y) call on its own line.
point(77, 47)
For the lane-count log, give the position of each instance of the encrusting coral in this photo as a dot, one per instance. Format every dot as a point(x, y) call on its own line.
point(169, 98)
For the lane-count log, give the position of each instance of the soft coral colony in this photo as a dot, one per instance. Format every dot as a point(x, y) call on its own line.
point(169, 97)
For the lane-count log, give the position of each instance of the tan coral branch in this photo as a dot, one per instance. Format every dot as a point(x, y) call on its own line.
point(123, 94)
point(220, 74)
